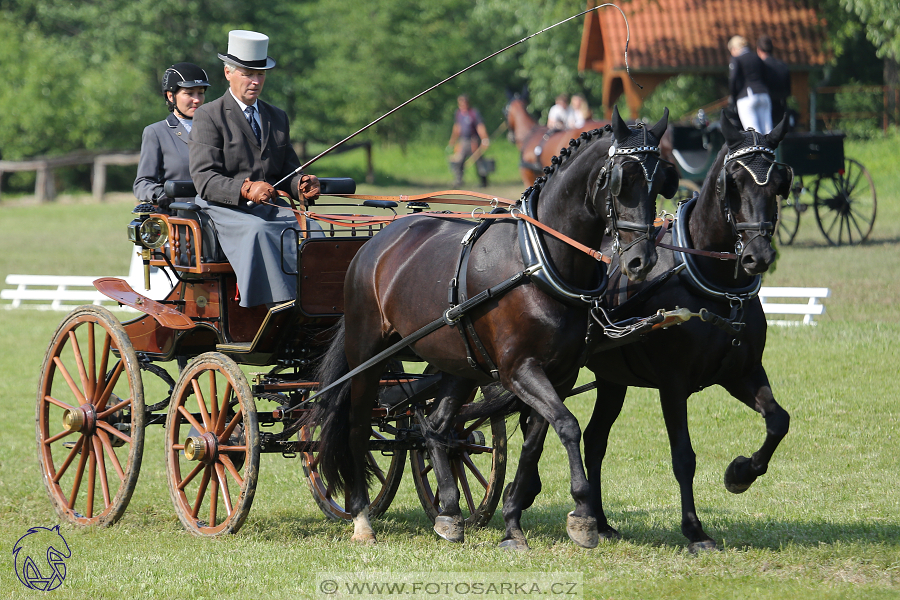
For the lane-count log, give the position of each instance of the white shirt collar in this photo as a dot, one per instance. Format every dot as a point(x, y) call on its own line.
point(242, 105)
point(187, 123)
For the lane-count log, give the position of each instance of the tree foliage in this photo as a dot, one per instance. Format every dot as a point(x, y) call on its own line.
point(88, 71)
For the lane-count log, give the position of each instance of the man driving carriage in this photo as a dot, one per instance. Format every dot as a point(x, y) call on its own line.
point(239, 147)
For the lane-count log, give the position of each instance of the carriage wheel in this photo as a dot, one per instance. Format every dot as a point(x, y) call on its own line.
point(212, 446)
point(479, 467)
point(388, 470)
point(90, 418)
point(789, 211)
point(845, 204)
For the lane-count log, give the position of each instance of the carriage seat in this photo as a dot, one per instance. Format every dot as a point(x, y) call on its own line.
point(211, 251)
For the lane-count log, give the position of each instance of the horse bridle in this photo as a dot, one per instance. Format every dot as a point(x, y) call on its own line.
point(764, 229)
point(610, 177)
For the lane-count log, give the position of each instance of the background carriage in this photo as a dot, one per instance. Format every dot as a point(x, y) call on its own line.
point(93, 405)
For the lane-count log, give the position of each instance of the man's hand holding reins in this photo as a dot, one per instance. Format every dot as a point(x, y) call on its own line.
point(257, 192)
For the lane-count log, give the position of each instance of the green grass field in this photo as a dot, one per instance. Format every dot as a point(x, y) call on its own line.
point(823, 523)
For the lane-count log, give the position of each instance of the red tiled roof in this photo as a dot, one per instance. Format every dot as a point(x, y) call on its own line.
point(692, 35)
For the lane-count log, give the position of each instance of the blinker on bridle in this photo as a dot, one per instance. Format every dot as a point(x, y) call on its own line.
point(610, 177)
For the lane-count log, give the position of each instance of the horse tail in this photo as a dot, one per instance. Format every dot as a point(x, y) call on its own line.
point(331, 413)
point(496, 401)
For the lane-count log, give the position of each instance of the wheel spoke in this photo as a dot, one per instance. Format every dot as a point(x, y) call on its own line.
point(79, 473)
point(231, 425)
point(379, 472)
point(231, 468)
point(92, 360)
point(79, 362)
point(110, 386)
point(72, 386)
point(223, 411)
point(190, 477)
point(467, 460)
point(190, 419)
point(463, 434)
point(110, 429)
point(114, 409)
point(92, 484)
point(201, 491)
point(201, 402)
point(72, 454)
point(58, 403)
point(104, 357)
point(223, 483)
point(110, 451)
point(104, 483)
point(58, 436)
point(464, 484)
point(213, 396)
point(213, 500)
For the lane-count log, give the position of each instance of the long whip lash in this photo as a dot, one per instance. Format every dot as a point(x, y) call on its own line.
point(420, 94)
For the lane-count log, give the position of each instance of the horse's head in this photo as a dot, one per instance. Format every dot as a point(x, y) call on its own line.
point(747, 184)
point(627, 185)
point(518, 120)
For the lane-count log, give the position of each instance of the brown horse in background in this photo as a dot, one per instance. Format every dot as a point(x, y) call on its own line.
point(538, 144)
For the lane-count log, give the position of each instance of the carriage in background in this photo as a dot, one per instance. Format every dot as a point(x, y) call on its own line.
point(92, 413)
point(839, 189)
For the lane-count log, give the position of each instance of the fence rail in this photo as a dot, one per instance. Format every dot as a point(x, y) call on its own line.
point(45, 181)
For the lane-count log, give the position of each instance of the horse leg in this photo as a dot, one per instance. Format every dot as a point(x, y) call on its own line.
point(521, 492)
point(755, 392)
point(531, 385)
point(363, 390)
point(451, 395)
point(684, 465)
point(596, 438)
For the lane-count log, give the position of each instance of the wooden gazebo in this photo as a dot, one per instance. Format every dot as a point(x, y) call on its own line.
point(670, 37)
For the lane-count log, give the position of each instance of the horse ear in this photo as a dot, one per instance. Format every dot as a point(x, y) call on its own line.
point(774, 137)
point(659, 129)
point(733, 136)
point(620, 129)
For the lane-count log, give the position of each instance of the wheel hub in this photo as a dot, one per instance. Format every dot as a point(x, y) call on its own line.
point(82, 419)
point(203, 447)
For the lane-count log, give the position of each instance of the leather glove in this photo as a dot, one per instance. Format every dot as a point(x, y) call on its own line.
point(309, 188)
point(257, 191)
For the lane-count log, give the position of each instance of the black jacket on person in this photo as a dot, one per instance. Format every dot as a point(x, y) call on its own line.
point(746, 71)
point(778, 78)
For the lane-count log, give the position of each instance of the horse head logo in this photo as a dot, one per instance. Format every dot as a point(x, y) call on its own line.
point(40, 558)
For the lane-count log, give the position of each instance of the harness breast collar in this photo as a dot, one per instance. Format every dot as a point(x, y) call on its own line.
point(681, 237)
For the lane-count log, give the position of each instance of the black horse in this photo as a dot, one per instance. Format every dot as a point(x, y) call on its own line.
point(736, 214)
point(530, 338)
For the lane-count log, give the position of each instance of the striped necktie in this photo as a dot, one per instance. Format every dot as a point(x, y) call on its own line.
point(253, 124)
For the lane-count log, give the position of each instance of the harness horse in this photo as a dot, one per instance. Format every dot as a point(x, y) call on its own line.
point(527, 332)
point(733, 216)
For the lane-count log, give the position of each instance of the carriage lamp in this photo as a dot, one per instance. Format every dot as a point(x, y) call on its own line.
point(148, 232)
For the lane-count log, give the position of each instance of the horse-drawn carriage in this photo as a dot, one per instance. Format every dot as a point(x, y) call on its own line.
point(92, 412)
point(843, 194)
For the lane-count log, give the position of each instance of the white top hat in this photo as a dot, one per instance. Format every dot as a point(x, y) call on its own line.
point(248, 49)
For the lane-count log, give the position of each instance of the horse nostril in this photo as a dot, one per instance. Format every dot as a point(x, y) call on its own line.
point(635, 265)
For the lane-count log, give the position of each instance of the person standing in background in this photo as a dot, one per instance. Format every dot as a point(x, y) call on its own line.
point(747, 86)
point(778, 77)
point(468, 137)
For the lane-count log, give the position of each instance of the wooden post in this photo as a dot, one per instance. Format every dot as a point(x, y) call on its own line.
point(370, 169)
point(98, 185)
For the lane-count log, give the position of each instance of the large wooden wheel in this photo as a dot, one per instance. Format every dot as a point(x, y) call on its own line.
point(212, 446)
point(789, 211)
point(478, 460)
point(90, 418)
point(387, 466)
point(845, 204)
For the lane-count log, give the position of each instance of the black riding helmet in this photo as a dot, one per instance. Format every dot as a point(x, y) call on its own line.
point(182, 75)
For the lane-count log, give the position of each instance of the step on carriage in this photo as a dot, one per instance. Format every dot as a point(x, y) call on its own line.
point(92, 412)
point(839, 189)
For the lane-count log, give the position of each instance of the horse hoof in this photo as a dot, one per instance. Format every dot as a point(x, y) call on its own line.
point(583, 531)
point(609, 535)
point(704, 546)
point(738, 477)
point(514, 545)
point(366, 538)
point(450, 528)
